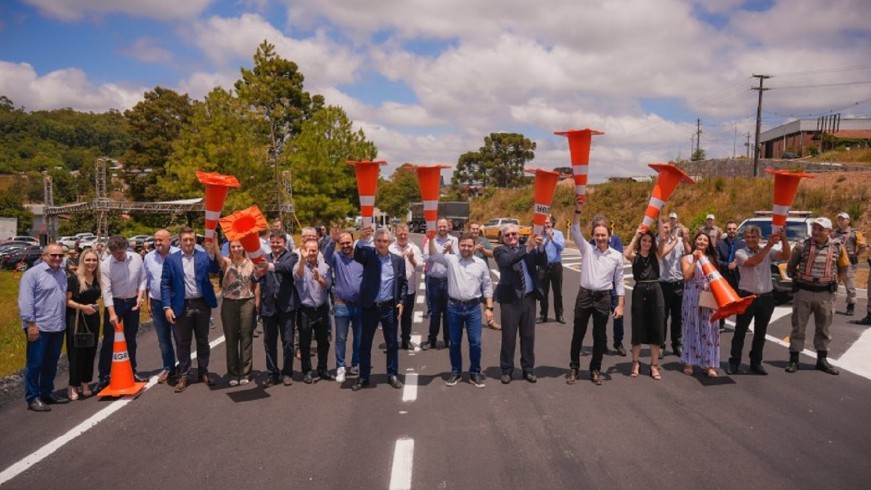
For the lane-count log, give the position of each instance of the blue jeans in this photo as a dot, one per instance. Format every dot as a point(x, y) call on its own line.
point(41, 366)
point(348, 315)
point(130, 318)
point(371, 318)
point(437, 292)
point(164, 336)
point(468, 317)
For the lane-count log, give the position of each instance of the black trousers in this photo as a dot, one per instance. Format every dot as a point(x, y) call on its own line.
point(407, 316)
point(760, 309)
point(596, 304)
point(193, 322)
point(552, 276)
point(672, 297)
point(311, 318)
point(281, 323)
point(518, 318)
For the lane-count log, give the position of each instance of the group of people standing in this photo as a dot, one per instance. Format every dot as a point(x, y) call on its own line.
point(372, 282)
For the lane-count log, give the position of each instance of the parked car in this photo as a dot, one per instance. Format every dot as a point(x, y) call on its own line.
point(138, 241)
point(91, 242)
point(23, 259)
point(67, 241)
point(10, 244)
point(798, 229)
point(7, 251)
point(23, 238)
point(493, 229)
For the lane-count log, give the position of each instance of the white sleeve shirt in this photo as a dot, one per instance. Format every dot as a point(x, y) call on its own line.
point(600, 271)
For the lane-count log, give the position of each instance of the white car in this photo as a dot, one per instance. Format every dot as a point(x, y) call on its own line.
point(67, 241)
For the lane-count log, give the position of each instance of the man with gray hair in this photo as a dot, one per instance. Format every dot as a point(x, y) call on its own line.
point(437, 283)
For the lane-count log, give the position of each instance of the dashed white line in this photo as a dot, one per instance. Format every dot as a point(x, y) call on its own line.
point(45, 451)
point(409, 390)
point(420, 299)
point(403, 459)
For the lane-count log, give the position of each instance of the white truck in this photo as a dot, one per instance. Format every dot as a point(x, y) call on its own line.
point(8, 228)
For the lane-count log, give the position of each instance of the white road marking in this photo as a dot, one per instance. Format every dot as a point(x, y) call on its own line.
point(858, 355)
point(417, 317)
point(45, 451)
point(415, 339)
point(420, 299)
point(403, 459)
point(422, 285)
point(409, 390)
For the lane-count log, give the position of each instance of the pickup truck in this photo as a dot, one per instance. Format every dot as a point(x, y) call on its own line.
point(493, 229)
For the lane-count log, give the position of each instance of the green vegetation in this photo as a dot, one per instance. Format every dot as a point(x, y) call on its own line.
point(11, 336)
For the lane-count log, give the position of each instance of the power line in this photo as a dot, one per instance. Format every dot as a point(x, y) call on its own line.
point(824, 70)
point(823, 85)
point(818, 114)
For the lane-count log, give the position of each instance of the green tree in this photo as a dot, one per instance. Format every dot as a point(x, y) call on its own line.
point(154, 124)
point(273, 90)
point(698, 154)
point(222, 137)
point(12, 206)
point(499, 163)
point(394, 195)
point(324, 185)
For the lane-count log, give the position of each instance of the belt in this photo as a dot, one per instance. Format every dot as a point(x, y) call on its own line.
point(814, 289)
point(192, 301)
point(385, 304)
point(744, 292)
point(439, 279)
point(471, 302)
point(345, 302)
point(597, 294)
point(126, 300)
point(676, 283)
point(314, 308)
point(554, 264)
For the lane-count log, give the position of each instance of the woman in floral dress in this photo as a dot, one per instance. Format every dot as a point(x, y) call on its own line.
point(701, 336)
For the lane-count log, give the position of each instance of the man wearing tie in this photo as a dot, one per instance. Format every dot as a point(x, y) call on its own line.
point(516, 294)
point(188, 298)
point(382, 290)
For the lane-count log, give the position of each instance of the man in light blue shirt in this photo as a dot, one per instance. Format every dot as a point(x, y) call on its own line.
point(153, 264)
point(312, 280)
point(552, 274)
point(42, 299)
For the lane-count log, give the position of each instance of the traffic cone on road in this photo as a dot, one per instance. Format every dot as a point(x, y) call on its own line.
point(217, 186)
point(121, 376)
point(579, 149)
point(545, 186)
point(429, 181)
point(728, 301)
point(245, 226)
point(785, 188)
point(668, 179)
point(367, 184)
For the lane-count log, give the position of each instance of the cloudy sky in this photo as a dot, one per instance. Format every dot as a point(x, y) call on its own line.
point(427, 80)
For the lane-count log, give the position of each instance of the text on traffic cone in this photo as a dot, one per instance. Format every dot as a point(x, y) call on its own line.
point(121, 376)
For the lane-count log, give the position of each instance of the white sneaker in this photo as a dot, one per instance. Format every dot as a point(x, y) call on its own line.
point(340, 375)
point(244, 381)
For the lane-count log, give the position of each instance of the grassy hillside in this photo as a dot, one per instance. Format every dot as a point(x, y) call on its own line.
point(729, 199)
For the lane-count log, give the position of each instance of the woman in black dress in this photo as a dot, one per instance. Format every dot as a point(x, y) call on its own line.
point(83, 291)
point(647, 304)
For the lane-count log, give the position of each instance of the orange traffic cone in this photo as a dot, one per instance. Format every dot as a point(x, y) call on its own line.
point(217, 186)
point(669, 177)
point(367, 183)
point(579, 149)
point(545, 186)
point(728, 301)
point(245, 226)
point(121, 376)
point(785, 188)
point(429, 181)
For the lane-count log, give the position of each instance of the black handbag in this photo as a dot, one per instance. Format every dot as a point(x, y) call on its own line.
point(83, 340)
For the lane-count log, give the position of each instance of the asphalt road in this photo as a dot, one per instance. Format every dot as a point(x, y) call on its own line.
point(806, 430)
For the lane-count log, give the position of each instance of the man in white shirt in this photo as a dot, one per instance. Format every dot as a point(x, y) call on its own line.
point(602, 271)
point(122, 279)
point(754, 265)
point(437, 284)
point(468, 281)
point(413, 267)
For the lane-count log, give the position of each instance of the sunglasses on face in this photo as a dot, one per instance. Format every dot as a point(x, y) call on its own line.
point(56, 256)
point(511, 234)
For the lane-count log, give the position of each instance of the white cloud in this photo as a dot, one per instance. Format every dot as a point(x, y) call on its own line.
point(147, 50)
point(198, 84)
point(63, 88)
point(72, 10)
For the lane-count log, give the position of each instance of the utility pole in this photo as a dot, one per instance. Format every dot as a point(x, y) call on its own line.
point(735, 141)
point(747, 145)
point(698, 136)
point(760, 89)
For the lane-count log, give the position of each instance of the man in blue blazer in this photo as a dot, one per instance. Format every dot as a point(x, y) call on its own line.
point(382, 290)
point(517, 292)
point(188, 298)
point(279, 302)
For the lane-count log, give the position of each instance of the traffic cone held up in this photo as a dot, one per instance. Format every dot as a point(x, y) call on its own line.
point(121, 376)
point(545, 186)
point(245, 226)
point(728, 301)
point(785, 188)
point(217, 186)
point(579, 149)
point(429, 180)
point(367, 184)
point(668, 179)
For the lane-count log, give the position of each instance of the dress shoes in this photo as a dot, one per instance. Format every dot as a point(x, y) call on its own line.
point(530, 376)
point(733, 368)
point(101, 385)
point(271, 381)
point(181, 385)
point(163, 378)
point(139, 379)
point(677, 351)
point(758, 369)
point(427, 345)
point(596, 377)
point(326, 376)
point(360, 384)
point(572, 376)
point(205, 379)
point(394, 381)
point(506, 378)
point(541, 319)
point(38, 405)
point(309, 377)
point(561, 320)
point(287, 380)
point(53, 399)
point(621, 351)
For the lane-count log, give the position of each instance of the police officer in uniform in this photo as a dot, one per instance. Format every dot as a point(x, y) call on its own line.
point(814, 270)
point(854, 242)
